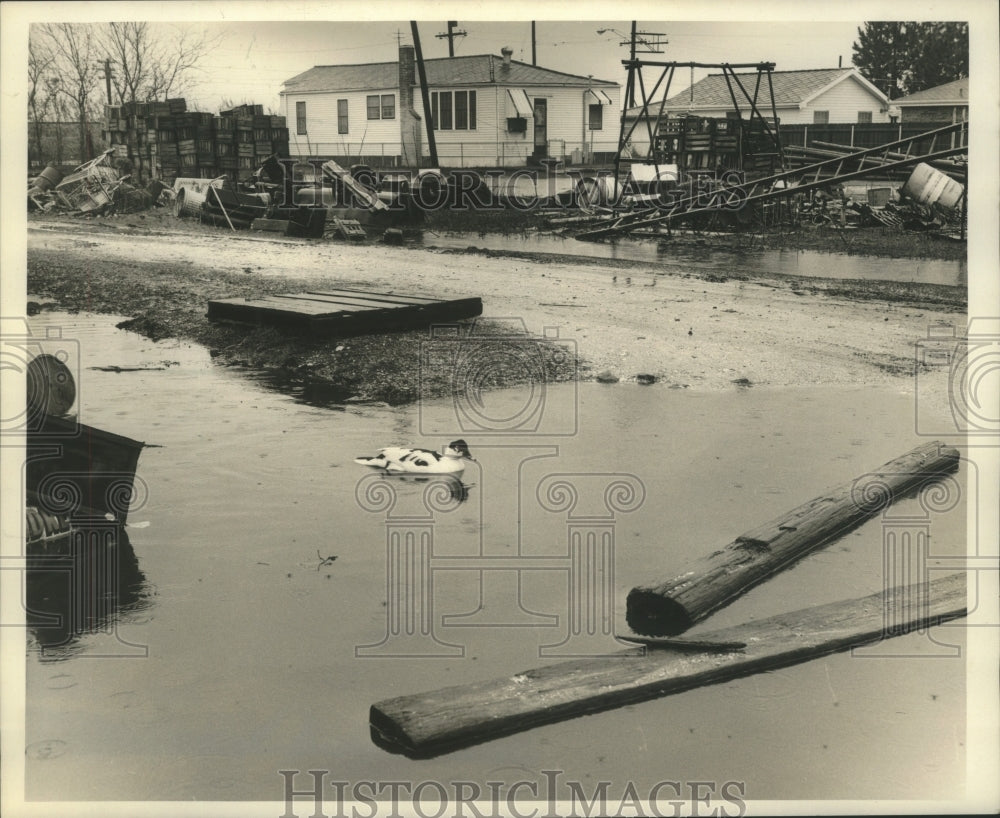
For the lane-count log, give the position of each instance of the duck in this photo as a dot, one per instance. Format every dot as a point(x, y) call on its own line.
point(420, 461)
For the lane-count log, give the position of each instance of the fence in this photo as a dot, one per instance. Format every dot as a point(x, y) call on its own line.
point(457, 154)
point(858, 135)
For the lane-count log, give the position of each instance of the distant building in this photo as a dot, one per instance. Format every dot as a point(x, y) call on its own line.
point(487, 111)
point(814, 96)
point(946, 104)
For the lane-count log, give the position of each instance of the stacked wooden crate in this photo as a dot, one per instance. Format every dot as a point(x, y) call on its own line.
point(253, 136)
point(163, 140)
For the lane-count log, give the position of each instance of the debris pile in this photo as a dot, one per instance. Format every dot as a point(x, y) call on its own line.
point(95, 188)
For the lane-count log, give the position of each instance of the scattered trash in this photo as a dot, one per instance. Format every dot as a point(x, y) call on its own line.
point(350, 229)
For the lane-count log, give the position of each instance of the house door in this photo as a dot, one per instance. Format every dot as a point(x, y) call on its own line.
point(541, 127)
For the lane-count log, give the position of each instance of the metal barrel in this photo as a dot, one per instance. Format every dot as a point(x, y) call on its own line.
point(188, 202)
point(48, 178)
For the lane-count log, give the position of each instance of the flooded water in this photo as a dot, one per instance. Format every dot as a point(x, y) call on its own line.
point(674, 260)
point(261, 624)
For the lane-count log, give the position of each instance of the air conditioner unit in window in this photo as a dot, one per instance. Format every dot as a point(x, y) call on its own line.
point(517, 124)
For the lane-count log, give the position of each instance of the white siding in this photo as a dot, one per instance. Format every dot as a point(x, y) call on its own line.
point(490, 144)
point(364, 136)
point(844, 101)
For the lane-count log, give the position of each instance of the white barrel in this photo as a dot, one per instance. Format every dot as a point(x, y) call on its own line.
point(928, 185)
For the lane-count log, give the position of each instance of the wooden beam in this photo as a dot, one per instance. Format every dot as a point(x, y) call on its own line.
point(429, 724)
point(711, 582)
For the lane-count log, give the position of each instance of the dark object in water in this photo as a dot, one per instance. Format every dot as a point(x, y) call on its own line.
point(74, 469)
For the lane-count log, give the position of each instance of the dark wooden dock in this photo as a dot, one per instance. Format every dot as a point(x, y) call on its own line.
point(343, 312)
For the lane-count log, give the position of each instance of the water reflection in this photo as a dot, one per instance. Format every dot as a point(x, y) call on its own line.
point(83, 589)
point(451, 485)
point(316, 392)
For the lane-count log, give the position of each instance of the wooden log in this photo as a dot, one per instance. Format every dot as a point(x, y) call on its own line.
point(709, 583)
point(429, 724)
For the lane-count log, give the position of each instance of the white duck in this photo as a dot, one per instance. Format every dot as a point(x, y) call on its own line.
point(420, 461)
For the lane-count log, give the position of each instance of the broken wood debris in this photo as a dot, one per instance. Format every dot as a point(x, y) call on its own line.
point(712, 582)
point(439, 721)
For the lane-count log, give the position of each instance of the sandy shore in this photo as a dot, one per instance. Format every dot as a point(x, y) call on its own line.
point(688, 332)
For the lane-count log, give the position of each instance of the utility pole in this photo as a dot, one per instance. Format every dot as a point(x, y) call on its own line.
point(424, 93)
point(534, 60)
point(451, 35)
point(107, 79)
point(650, 46)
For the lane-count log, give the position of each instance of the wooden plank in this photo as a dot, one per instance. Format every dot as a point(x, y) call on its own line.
point(673, 605)
point(428, 724)
point(375, 296)
point(349, 312)
point(354, 301)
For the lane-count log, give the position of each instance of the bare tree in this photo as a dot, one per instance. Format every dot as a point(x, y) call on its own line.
point(39, 97)
point(75, 50)
point(153, 61)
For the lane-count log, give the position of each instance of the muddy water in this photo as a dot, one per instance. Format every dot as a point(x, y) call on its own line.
point(244, 657)
point(809, 263)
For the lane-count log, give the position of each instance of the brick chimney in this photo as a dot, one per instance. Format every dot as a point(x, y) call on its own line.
point(410, 122)
point(507, 53)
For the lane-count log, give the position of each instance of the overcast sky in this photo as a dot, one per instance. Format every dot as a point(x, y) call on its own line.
point(264, 44)
point(255, 58)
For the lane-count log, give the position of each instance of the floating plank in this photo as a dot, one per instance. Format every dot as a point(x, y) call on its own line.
point(343, 312)
point(711, 582)
point(428, 724)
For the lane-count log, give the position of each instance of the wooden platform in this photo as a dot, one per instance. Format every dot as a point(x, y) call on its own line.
point(343, 312)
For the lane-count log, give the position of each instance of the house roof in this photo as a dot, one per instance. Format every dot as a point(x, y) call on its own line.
point(479, 69)
point(951, 93)
point(791, 89)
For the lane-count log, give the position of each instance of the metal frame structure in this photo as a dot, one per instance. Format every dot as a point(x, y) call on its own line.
point(892, 155)
point(635, 67)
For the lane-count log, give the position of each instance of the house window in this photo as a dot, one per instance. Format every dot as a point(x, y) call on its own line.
point(300, 117)
point(343, 125)
point(596, 118)
point(865, 116)
point(453, 110)
point(821, 117)
point(381, 107)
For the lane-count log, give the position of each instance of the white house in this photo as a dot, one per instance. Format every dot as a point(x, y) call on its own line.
point(814, 96)
point(487, 111)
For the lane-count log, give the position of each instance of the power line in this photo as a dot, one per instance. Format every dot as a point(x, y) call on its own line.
point(451, 35)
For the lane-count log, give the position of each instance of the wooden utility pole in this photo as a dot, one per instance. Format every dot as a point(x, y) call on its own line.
point(631, 58)
point(107, 79)
point(424, 93)
point(533, 53)
point(451, 35)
